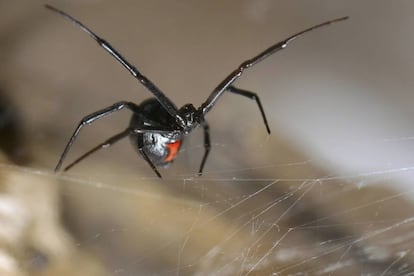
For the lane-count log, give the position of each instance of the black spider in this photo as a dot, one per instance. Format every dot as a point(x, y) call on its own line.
point(157, 126)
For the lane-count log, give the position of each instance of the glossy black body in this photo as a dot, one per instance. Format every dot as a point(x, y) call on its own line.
point(154, 144)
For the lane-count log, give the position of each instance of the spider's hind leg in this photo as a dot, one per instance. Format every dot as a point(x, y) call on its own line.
point(109, 142)
point(207, 146)
point(89, 119)
point(146, 157)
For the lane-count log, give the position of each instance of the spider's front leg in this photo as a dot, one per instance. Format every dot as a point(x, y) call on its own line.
point(89, 119)
point(226, 84)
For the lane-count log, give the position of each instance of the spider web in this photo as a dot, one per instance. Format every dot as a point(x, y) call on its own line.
point(261, 208)
point(332, 224)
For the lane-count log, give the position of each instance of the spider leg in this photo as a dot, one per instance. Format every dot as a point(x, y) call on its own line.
point(252, 96)
point(112, 140)
point(163, 100)
point(145, 156)
point(207, 146)
point(89, 119)
point(219, 90)
point(109, 142)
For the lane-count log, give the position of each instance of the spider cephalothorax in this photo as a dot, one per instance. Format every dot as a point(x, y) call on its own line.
point(189, 118)
point(157, 127)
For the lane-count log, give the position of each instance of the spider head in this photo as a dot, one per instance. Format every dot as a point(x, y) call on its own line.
point(188, 118)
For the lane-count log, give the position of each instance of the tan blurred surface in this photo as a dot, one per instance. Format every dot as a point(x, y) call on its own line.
point(315, 197)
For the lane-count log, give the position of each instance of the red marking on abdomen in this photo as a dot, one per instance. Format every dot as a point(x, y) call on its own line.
point(172, 150)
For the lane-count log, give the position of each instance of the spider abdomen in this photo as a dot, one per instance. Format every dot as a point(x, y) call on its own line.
point(160, 148)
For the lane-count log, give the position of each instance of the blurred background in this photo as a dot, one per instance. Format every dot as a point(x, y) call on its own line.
point(320, 195)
